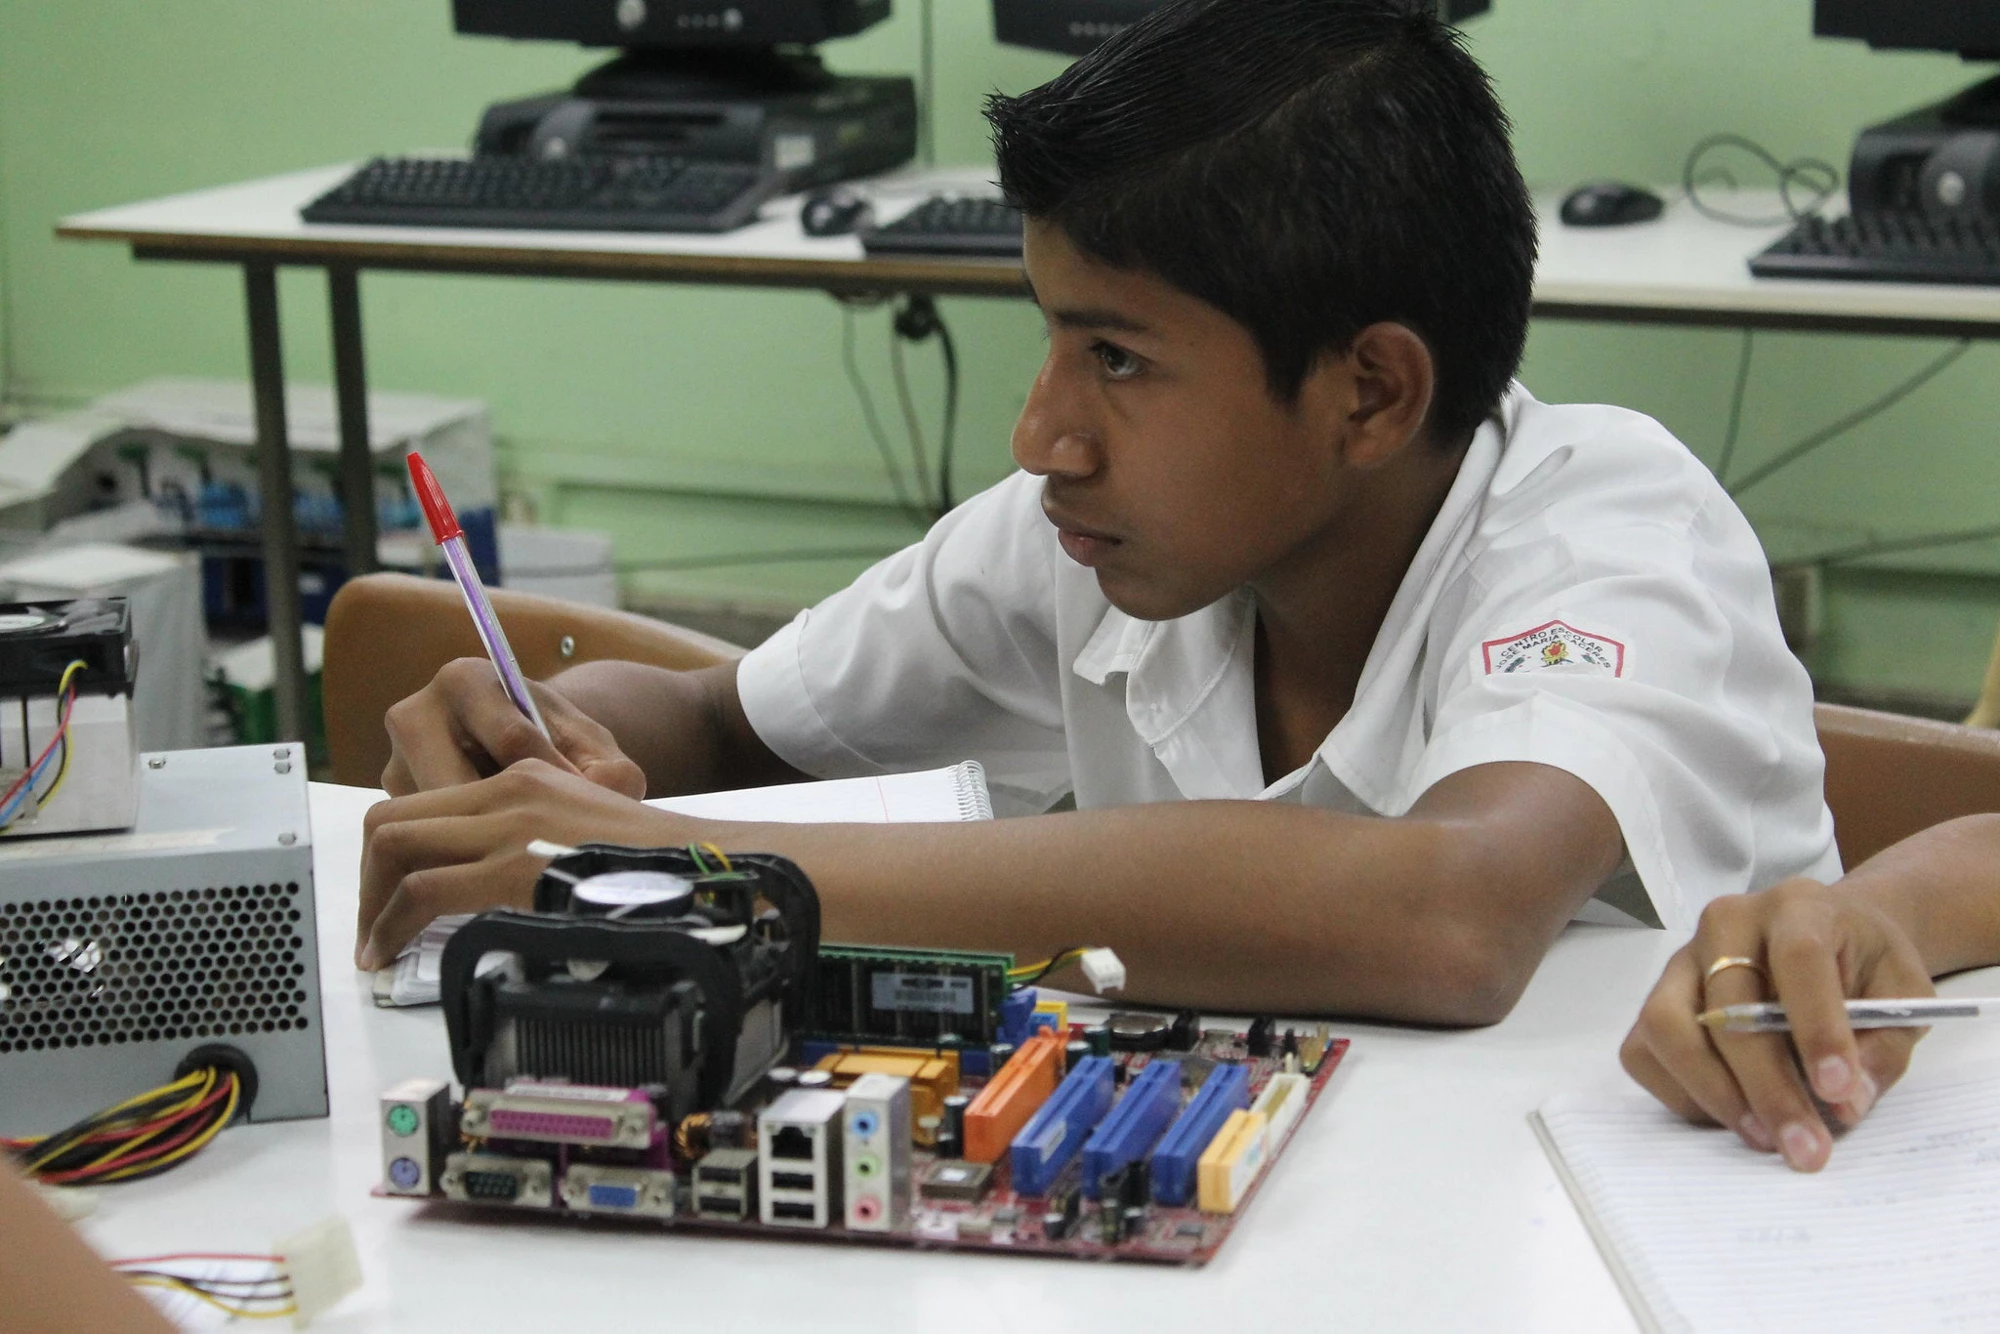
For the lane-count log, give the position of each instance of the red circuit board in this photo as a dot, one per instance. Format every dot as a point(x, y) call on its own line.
point(1001, 1221)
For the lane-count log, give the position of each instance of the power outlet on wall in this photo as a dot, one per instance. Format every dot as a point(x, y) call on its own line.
point(1799, 590)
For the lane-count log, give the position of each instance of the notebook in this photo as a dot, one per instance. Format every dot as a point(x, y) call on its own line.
point(1900, 1231)
point(931, 796)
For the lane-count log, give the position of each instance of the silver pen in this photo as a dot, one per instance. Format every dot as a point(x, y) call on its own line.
point(1914, 1012)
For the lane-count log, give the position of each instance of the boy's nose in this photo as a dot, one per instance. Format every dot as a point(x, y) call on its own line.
point(1051, 437)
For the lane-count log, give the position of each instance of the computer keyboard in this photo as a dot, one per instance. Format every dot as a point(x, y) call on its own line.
point(1886, 247)
point(621, 193)
point(950, 225)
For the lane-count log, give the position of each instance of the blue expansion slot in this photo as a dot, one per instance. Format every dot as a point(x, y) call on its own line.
point(1135, 1124)
point(1055, 1132)
point(1015, 1024)
point(1227, 1089)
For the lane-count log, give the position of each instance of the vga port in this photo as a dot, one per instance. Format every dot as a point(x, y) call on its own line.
point(484, 1178)
point(601, 1188)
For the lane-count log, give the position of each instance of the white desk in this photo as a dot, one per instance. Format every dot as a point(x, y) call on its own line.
point(1681, 269)
point(1414, 1197)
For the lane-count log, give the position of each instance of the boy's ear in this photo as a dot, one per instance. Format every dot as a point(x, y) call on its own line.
point(1386, 379)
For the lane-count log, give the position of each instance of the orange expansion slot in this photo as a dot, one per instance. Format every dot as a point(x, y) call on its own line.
point(1012, 1096)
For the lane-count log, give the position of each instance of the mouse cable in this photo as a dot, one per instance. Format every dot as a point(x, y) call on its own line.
point(1817, 178)
point(1792, 453)
point(918, 320)
point(919, 448)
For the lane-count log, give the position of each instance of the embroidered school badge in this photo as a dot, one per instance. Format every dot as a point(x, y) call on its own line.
point(1554, 645)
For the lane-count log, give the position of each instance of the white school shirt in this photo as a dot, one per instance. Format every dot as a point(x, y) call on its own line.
point(1588, 597)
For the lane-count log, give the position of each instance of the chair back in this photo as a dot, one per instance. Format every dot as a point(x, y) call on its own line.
point(387, 635)
point(1888, 776)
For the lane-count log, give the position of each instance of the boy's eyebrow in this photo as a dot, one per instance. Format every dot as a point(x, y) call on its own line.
point(1088, 317)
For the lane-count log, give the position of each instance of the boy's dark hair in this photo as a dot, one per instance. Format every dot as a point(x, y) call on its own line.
point(1307, 167)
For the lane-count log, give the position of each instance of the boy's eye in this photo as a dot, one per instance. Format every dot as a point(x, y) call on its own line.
point(1117, 362)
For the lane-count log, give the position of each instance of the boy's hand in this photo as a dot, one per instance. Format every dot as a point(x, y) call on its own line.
point(465, 848)
point(1820, 946)
point(462, 727)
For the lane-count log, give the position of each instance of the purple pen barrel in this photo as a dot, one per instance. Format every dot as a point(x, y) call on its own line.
point(488, 625)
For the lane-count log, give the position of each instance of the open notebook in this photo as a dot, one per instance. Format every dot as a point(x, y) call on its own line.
point(932, 796)
point(1900, 1231)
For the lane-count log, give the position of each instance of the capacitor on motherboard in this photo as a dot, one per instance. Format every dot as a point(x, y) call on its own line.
point(1073, 1052)
point(998, 1054)
point(951, 1130)
point(728, 1130)
point(781, 1077)
point(815, 1079)
point(1099, 1038)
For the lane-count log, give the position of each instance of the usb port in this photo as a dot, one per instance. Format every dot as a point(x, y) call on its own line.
point(787, 1209)
point(794, 1181)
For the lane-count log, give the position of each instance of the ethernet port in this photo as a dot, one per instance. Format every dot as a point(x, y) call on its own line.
point(792, 1142)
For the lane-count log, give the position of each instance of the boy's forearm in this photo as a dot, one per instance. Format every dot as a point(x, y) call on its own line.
point(1240, 905)
point(685, 729)
point(1942, 887)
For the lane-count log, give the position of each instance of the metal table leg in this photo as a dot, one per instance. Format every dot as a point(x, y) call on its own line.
point(274, 485)
point(350, 391)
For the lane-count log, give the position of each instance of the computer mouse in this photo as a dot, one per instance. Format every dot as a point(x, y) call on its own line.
point(1610, 204)
point(835, 212)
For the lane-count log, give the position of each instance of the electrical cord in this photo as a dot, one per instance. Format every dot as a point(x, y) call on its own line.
point(919, 449)
point(890, 465)
point(1792, 453)
point(1736, 394)
point(15, 798)
point(1818, 178)
point(139, 1137)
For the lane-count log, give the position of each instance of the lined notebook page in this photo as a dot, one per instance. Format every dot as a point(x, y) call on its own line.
point(1900, 1231)
point(933, 796)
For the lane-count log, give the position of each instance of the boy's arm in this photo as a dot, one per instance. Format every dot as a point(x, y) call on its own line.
point(1439, 916)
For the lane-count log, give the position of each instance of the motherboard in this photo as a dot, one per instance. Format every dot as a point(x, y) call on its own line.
point(919, 1098)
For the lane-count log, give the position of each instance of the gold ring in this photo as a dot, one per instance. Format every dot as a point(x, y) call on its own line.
point(1728, 961)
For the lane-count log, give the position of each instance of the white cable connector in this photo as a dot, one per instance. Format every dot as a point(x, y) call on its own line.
point(322, 1265)
point(1104, 968)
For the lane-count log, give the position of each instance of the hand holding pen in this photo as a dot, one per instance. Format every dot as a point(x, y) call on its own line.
point(1808, 949)
point(460, 728)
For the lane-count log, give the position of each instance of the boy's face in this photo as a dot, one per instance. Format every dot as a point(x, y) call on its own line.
point(1171, 471)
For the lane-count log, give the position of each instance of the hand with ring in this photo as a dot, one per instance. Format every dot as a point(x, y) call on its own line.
point(1811, 947)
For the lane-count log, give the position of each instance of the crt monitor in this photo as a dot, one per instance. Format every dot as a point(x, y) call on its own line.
point(1969, 27)
point(1074, 27)
point(657, 24)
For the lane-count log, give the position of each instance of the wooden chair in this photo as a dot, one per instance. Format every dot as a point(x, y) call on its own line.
point(387, 634)
point(1888, 776)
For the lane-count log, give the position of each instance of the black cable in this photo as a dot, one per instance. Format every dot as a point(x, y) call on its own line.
point(949, 438)
point(1792, 453)
point(919, 450)
point(1735, 409)
point(1056, 960)
point(1818, 177)
point(894, 469)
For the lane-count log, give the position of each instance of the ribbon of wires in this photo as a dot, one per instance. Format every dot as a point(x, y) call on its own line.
point(140, 1137)
point(243, 1295)
point(55, 754)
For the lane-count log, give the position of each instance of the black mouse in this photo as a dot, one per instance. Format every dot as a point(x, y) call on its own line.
point(835, 212)
point(1609, 204)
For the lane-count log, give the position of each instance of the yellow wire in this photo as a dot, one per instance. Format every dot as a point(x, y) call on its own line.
point(720, 856)
point(123, 1147)
point(187, 1150)
point(111, 1125)
point(1050, 963)
point(170, 1285)
point(69, 674)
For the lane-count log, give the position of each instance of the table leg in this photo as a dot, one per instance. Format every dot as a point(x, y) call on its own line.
point(274, 486)
point(350, 391)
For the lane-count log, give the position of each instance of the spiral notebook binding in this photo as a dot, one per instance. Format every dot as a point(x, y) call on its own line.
point(974, 801)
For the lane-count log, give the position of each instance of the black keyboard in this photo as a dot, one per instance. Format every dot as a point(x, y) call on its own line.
point(950, 225)
point(1886, 247)
point(623, 193)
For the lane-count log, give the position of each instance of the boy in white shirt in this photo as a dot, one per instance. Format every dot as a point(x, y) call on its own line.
point(1365, 671)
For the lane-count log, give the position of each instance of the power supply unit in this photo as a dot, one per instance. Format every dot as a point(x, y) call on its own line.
point(121, 955)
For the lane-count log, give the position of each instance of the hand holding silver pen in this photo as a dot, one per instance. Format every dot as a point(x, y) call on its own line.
point(1909, 1012)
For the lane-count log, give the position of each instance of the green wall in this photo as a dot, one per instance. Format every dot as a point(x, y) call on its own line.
point(691, 422)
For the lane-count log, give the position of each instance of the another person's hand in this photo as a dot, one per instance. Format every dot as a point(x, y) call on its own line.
point(465, 848)
point(1814, 947)
point(462, 727)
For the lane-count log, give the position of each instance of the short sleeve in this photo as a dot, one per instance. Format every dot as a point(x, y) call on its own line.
point(1632, 641)
point(945, 651)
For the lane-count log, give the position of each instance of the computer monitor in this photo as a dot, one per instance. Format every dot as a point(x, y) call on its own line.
point(666, 24)
point(1074, 27)
point(1969, 27)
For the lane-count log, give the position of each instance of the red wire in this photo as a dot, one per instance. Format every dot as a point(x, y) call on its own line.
point(194, 1255)
point(62, 728)
point(151, 1151)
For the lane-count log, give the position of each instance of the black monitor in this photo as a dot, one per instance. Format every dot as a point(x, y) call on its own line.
point(683, 48)
point(1074, 27)
point(1969, 27)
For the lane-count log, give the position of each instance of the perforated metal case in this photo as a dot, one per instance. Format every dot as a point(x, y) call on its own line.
point(122, 953)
